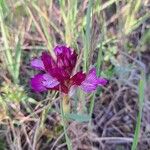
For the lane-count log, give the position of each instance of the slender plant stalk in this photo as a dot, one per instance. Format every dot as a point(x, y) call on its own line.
point(87, 44)
point(102, 38)
point(87, 38)
point(139, 118)
point(66, 104)
point(91, 108)
point(65, 107)
point(99, 59)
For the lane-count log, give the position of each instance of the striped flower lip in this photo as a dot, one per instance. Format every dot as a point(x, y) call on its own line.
point(57, 74)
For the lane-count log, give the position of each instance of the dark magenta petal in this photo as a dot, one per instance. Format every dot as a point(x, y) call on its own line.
point(37, 83)
point(78, 78)
point(56, 70)
point(60, 62)
point(66, 57)
point(61, 87)
point(60, 74)
point(73, 60)
point(49, 81)
point(48, 61)
point(91, 81)
point(38, 64)
point(64, 66)
point(63, 63)
point(64, 89)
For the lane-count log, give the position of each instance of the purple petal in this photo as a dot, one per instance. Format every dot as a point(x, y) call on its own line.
point(49, 81)
point(38, 64)
point(37, 83)
point(91, 82)
point(102, 81)
point(88, 87)
point(61, 49)
point(91, 77)
point(58, 50)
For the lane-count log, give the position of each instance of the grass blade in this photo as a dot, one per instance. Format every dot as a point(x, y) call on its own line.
point(138, 124)
point(87, 37)
point(78, 117)
point(9, 59)
point(17, 62)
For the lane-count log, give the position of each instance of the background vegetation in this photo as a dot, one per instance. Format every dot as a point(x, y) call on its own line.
point(113, 36)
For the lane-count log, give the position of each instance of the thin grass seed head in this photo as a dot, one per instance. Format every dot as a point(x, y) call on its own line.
point(57, 74)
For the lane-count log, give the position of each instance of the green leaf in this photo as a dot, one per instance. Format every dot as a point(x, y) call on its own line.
point(109, 73)
point(78, 117)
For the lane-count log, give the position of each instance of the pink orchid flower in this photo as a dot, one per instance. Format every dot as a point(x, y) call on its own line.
point(57, 74)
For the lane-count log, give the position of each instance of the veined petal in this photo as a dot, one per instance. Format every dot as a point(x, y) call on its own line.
point(38, 64)
point(91, 82)
point(66, 61)
point(62, 49)
point(64, 88)
point(78, 78)
point(88, 87)
point(48, 61)
point(67, 55)
point(73, 59)
point(61, 88)
point(58, 49)
point(60, 74)
point(102, 81)
point(91, 77)
point(49, 81)
point(37, 83)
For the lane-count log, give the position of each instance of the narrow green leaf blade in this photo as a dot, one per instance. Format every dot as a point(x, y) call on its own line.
point(138, 124)
point(78, 117)
point(17, 60)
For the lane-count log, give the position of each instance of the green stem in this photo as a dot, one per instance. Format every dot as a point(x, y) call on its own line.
point(65, 107)
point(65, 104)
